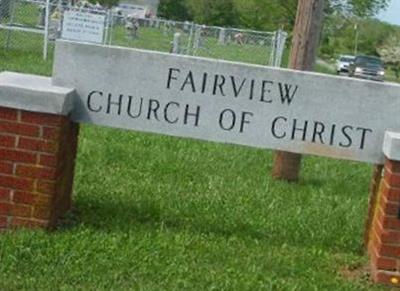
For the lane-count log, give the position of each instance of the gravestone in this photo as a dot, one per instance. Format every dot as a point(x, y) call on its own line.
point(221, 36)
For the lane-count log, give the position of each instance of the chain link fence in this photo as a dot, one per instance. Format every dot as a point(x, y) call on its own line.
point(22, 25)
point(249, 46)
point(31, 26)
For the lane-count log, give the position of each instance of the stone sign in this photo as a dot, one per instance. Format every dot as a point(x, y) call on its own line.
point(83, 26)
point(228, 102)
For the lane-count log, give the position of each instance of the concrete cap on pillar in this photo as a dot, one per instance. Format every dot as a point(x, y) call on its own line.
point(391, 145)
point(34, 93)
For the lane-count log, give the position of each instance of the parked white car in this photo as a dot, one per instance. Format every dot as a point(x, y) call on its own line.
point(343, 63)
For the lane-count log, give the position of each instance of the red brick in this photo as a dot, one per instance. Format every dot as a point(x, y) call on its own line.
point(372, 201)
point(21, 210)
point(46, 187)
point(388, 207)
point(386, 236)
point(6, 167)
point(31, 223)
point(7, 141)
point(376, 178)
point(17, 156)
point(24, 197)
point(36, 172)
point(375, 234)
point(383, 263)
point(51, 133)
point(18, 128)
point(392, 194)
point(41, 118)
point(37, 145)
point(3, 221)
point(392, 166)
point(388, 250)
point(387, 277)
point(8, 113)
point(35, 187)
point(32, 198)
point(5, 208)
point(48, 160)
point(16, 183)
point(43, 200)
point(391, 222)
point(392, 237)
point(393, 180)
point(42, 212)
point(5, 194)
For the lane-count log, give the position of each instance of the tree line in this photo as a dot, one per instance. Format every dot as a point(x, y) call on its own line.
point(256, 14)
point(349, 26)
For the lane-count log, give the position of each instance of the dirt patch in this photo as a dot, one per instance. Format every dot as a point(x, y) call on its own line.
point(357, 273)
point(361, 274)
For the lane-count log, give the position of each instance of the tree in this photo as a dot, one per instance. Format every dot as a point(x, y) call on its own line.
point(105, 3)
point(212, 12)
point(266, 14)
point(260, 15)
point(270, 14)
point(174, 9)
point(360, 8)
point(390, 52)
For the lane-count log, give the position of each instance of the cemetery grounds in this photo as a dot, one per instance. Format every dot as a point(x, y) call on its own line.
point(160, 213)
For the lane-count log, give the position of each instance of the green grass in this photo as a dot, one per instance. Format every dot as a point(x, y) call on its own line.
point(161, 213)
point(390, 76)
point(24, 53)
point(148, 38)
point(324, 69)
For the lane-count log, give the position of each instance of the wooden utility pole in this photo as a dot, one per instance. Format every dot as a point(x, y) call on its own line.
point(306, 36)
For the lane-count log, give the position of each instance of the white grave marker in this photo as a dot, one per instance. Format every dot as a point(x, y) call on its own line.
point(229, 102)
point(83, 26)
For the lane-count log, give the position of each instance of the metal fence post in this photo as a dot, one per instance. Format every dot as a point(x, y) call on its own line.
point(46, 30)
point(221, 36)
point(12, 17)
point(197, 36)
point(175, 43)
point(107, 27)
point(4, 9)
point(194, 39)
point(190, 39)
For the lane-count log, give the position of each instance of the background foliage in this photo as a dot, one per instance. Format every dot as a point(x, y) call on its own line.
point(343, 20)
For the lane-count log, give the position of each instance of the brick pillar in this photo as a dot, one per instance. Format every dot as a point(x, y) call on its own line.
point(384, 239)
point(37, 153)
point(38, 145)
point(373, 196)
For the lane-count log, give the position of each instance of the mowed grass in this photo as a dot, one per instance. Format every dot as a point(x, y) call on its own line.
point(161, 213)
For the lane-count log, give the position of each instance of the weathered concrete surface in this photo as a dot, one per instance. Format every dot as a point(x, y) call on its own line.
point(229, 102)
point(391, 146)
point(34, 93)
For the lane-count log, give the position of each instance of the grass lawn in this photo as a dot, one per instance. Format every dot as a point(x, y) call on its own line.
point(160, 213)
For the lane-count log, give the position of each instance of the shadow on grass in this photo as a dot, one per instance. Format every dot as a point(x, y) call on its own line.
point(148, 216)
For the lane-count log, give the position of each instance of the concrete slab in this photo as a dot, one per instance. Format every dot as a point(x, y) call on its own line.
point(228, 102)
point(34, 93)
point(391, 145)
